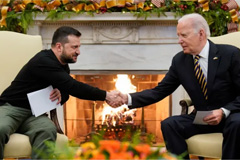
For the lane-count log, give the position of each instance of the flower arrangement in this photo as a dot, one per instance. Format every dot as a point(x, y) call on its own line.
point(99, 148)
point(17, 15)
point(114, 149)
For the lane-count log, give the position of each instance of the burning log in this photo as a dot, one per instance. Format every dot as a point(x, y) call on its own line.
point(117, 116)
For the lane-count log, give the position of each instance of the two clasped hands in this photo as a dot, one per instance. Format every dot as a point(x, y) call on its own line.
point(116, 98)
point(113, 98)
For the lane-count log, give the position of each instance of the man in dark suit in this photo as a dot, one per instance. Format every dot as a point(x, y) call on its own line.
point(220, 66)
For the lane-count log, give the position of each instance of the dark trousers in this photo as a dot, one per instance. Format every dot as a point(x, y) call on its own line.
point(38, 129)
point(176, 129)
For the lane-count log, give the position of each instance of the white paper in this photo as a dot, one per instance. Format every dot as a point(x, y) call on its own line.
point(199, 117)
point(40, 102)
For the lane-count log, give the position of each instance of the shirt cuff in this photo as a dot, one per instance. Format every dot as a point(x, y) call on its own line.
point(129, 100)
point(226, 112)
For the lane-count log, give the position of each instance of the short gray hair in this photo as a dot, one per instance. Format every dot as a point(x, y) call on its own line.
point(198, 22)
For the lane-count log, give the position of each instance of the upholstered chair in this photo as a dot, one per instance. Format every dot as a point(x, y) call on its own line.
point(16, 50)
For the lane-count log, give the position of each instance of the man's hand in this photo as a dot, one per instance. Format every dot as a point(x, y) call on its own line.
point(55, 95)
point(124, 98)
point(214, 118)
point(116, 98)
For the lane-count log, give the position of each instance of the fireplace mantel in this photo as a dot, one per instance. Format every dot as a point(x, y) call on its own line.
point(118, 41)
point(114, 16)
point(112, 28)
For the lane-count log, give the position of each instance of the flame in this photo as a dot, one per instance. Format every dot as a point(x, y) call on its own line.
point(124, 85)
point(122, 114)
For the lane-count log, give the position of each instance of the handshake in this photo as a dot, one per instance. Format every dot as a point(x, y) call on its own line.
point(116, 98)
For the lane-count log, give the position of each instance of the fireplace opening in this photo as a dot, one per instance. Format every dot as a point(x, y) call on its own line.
point(83, 117)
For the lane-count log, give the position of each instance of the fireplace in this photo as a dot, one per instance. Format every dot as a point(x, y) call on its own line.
point(85, 114)
point(112, 44)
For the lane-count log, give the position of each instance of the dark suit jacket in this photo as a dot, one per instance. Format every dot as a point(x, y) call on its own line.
point(223, 81)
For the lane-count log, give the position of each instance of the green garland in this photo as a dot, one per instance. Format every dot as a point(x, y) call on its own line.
point(217, 16)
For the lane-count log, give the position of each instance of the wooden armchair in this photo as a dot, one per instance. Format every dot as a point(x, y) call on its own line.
point(209, 145)
point(16, 50)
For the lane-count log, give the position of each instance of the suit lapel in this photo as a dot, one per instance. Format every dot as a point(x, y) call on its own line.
point(213, 61)
point(190, 67)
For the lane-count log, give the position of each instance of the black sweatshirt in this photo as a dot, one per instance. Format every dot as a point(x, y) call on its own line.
point(43, 70)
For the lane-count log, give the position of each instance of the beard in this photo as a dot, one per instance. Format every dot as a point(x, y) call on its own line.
point(66, 58)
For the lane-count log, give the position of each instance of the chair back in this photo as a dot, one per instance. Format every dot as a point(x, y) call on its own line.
point(16, 50)
point(230, 38)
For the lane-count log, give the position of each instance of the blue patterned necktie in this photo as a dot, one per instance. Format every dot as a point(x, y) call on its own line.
point(200, 76)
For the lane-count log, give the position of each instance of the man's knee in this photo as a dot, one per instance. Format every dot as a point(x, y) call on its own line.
point(41, 126)
point(233, 126)
point(165, 124)
point(40, 136)
point(52, 131)
point(49, 131)
point(44, 130)
point(233, 121)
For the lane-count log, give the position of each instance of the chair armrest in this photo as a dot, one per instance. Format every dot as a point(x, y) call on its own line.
point(185, 104)
point(54, 118)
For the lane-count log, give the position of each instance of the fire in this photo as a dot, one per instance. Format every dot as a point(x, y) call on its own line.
point(122, 114)
point(124, 85)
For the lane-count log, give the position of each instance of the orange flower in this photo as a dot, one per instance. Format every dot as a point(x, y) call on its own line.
point(99, 156)
point(120, 155)
point(143, 148)
point(65, 1)
point(124, 146)
point(110, 145)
